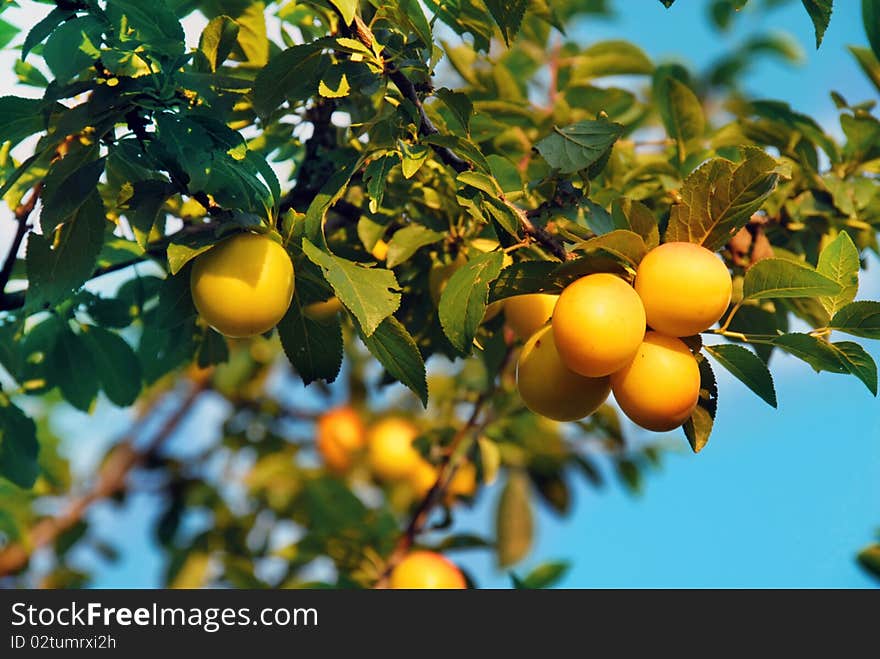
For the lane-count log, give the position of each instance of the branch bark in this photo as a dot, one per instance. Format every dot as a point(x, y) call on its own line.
point(110, 480)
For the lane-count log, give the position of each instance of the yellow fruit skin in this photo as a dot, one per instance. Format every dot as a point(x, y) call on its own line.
point(380, 250)
point(492, 310)
point(526, 314)
point(660, 387)
point(243, 286)
point(426, 569)
point(685, 288)
point(464, 481)
point(598, 324)
point(323, 310)
point(390, 452)
point(339, 435)
point(549, 388)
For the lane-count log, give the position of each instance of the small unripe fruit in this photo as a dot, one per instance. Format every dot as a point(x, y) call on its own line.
point(339, 435)
point(427, 569)
point(325, 310)
point(549, 388)
point(390, 450)
point(243, 286)
point(526, 314)
point(685, 288)
point(598, 324)
point(660, 387)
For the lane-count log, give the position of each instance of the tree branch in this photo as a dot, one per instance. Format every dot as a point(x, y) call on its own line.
point(445, 474)
point(22, 213)
point(111, 479)
point(362, 33)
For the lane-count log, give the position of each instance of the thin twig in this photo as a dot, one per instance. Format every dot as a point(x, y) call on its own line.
point(111, 479)
point(22, 214)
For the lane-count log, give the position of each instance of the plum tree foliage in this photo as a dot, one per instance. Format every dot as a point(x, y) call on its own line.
point(418, 162)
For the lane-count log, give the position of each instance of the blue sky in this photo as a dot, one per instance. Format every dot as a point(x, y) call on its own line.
point(779, 497)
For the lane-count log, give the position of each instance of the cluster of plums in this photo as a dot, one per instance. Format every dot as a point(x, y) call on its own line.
point(605, 335)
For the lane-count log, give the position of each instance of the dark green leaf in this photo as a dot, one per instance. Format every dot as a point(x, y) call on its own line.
point(869, 62)
point(635, 216)
point(398, 353)
point(145, 206)
point(747, 367)
point(72, 368)
point(622, 244)
point(152, 24)
point(376, 177)
point(213, 349)
point(859, 319)
point(464, 299)
point(292, 74)
point(19, 448)
point(580, 145)
point(30, 75)
point(871, 21)
point(817, 353)
point(682, 113)
point(66, 189)
point(546, 575)
point(313, 347)
point(175, 302)
point(698, 428)
point(369, 293)
point(74, 46)
point(44, 28)
point(858, 362)
point(869, 558)
point(116, 365)
point(719, 197)
point(779, 278)
point(820, 13)
point(508, 15)
point(19, 118)
point(59, 265)
point(459, 105)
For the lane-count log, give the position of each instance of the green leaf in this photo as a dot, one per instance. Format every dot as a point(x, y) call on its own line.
point(839, 261)
point(869, 62)
point(30, 75)
point(369, 293)
point(330, 192)
point(347, 9)
point(413, 14)
point(820, 14)
point(376, 177)
point(292, 74)
point(144, 207)
point(74, 46)
point(858, 362)
point(667, 3)
point(459, 105)
point(115, 363)
point(513, 520)
point(405, 242)
point(186, 248)
point(747, 367)
point(398, 353)
point(508, 15)
point(464, 299)
point(67, 189)
point(152, 24)
point(217, 40)
point(579, 145)
point(313, 347)
point(58, 265)
point(817, 353)
point(698, 428)
point(545, 575)
point(779, 278)
point(413, 157)
point(627, 246)
point(859, 319)
point(20, 118)
point(718, 198)
point(175, 302)
point(72, 368)
point(44, 28)
point(611, 58)
point(682, 113)
point(635, 216)
point(7, 33)
point(19, 448)
point(871, 21)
